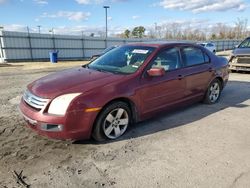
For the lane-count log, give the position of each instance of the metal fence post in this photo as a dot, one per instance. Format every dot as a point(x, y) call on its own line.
point(53, 41)
point(83, 52)
point(30, 46)
point(106, 42)
point(1, 47)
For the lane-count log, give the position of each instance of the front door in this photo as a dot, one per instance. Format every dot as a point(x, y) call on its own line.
point(161, 92)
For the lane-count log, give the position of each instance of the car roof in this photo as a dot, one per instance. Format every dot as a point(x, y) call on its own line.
point(159, 44)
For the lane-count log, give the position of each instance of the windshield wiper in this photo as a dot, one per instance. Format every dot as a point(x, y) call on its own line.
point(104, 70)
point(98, 69)
point(94, 68)
point(86, 66)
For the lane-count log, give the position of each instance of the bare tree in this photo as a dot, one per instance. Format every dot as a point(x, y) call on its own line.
point(187, 31)
point(241, 28)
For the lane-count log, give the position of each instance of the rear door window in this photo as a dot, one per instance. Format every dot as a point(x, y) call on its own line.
point(193, 56)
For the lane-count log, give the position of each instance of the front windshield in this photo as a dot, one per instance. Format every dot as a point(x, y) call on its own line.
point(245, 44)
point(108, 49)
point(123, 60)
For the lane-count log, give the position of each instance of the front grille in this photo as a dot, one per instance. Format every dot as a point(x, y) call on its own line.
point(243, 60)
point(34, 101)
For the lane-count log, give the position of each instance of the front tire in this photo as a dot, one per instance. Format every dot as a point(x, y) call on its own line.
point(213, 92)
point(112, 122)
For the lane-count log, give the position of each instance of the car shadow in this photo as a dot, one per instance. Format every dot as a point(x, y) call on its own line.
point(234, 95)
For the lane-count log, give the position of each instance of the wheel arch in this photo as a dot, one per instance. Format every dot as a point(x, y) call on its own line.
point(218, 78)
point(131, 105)
point(129, 102)
point(221, 80)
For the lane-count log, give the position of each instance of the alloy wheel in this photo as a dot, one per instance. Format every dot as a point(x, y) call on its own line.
point(116, 123)
point(214, 92)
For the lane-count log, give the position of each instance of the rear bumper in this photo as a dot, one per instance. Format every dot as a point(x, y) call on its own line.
point(72, 126)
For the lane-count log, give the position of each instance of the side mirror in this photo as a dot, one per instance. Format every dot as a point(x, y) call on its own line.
point(155, 72)
point(236, 46)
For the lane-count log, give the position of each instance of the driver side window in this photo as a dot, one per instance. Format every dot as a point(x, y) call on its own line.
point(168, 59)
point(245, 44)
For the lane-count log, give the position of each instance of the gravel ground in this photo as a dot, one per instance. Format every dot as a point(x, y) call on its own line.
point(198, 146)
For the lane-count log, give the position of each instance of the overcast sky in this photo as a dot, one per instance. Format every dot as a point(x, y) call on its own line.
point(72, 16)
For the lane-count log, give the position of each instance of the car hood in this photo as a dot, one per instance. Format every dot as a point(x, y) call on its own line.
point(241, 51)
point(71, 81)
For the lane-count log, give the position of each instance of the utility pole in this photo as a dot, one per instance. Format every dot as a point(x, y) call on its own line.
point(106, 13)
point(155, 30)
point(39, 29)
point(28, 30)
point(53, 38)
point(52, 31)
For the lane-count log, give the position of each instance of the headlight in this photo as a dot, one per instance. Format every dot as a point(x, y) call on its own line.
point(60, 104)
point(231, 59)
point(235, 60)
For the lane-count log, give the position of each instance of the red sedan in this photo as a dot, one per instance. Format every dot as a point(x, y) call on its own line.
point(126, 85)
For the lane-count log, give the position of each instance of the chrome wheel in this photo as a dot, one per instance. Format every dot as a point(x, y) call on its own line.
point(116, 123)
point(214, 92)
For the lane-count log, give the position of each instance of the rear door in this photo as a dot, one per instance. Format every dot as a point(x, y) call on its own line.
point(159, 92)
point(197, 71)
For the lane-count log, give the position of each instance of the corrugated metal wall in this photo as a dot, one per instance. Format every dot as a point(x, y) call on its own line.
point(18, 46)
point(226, 44)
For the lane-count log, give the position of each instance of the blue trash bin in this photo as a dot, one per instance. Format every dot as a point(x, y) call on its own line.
point(53, 56)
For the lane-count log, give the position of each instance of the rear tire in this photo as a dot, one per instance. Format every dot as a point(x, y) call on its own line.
point(213, 92)
point(112, 122)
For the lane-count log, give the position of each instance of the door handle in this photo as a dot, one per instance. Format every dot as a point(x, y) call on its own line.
point(180, 77)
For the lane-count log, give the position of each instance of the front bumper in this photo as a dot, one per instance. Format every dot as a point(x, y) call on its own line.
point(239, 63)
point(72, 126)
point(239, 67)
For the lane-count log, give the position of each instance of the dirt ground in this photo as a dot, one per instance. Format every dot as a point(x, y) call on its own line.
point(198, 146)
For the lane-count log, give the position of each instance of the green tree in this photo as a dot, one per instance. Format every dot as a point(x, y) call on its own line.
point(138, 31)
point(127, 33)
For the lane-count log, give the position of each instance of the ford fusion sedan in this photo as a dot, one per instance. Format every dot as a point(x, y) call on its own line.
point(240, 58)
point(126, 85)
